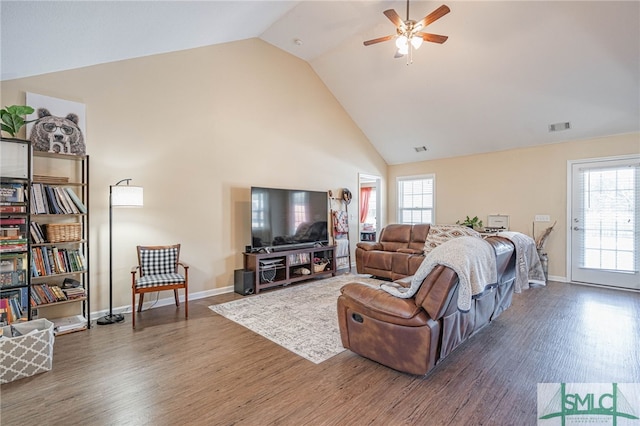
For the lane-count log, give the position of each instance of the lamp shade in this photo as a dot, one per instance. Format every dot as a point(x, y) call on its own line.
point(126, 196)
point(416, 41)
point(401, 42)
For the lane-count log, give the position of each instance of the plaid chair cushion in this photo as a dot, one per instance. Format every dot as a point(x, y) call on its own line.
point(159, 280)
point(158, 261)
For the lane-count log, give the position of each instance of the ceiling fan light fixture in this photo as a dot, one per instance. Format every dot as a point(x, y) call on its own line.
point(416, 42)
point(408, 36)
point(402, 42)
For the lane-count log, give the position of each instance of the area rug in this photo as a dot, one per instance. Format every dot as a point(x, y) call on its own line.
point(301, 317)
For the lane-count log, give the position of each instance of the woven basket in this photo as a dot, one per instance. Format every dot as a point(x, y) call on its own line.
point(319, 267)
point(61, 232)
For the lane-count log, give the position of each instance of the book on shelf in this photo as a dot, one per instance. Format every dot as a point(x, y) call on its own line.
point(13, 278)
point(79, 204)
point(10, 232)
point(12, 221)
point(50, 179)
point(54, 206)
point(12, 193)
point(68, 203)
point(37, 199)
point(57, 291)
point(13, 208)
point(5, 313)
point(14, 304)
point(74, 293)
point(12, 246)
point(37, 233)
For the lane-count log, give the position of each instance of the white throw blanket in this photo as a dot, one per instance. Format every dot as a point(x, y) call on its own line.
point(528, 266)
point(472, 258)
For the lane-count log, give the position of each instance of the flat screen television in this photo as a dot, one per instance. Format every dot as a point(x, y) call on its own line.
point(288, 218)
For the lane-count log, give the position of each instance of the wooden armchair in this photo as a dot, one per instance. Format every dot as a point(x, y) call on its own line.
point(157, 270)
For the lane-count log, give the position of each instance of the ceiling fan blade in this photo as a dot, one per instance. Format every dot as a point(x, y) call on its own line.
point(434, 38)
point(433, 16)
point(395, 18)
point(378, 40)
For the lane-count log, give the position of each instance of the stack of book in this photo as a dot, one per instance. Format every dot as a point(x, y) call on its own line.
point(74, 292)
point(12, 198)
point(69, 324)
point(50, 179)
point(13, 234)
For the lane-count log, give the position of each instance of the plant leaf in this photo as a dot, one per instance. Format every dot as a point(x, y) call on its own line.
point(23, 110)
point(7, 129)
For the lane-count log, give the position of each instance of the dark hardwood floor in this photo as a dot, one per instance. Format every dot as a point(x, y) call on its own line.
point(211, 371)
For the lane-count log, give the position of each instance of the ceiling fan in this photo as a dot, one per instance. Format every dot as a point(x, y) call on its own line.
point(409, 32)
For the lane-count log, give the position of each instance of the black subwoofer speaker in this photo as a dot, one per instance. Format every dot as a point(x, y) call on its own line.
point(244, 281)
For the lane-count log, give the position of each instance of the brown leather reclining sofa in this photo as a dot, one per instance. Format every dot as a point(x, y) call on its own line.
point(397, 254)
point(413, 335)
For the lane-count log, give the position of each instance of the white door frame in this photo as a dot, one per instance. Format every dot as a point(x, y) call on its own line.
point(569, 221)
point(378, 186)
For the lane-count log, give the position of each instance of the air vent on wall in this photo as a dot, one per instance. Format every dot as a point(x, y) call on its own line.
point(558, 127)
point(420, 148)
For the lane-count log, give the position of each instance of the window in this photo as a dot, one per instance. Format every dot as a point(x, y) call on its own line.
point(416, 199)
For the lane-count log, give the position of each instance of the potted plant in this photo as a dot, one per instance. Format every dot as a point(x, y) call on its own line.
point(473, 223)
point(12, 118)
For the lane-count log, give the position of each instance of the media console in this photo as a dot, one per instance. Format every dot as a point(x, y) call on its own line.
point(290, 266)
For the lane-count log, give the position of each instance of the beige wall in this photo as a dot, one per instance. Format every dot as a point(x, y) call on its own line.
point(197, 129)
point(520, 183)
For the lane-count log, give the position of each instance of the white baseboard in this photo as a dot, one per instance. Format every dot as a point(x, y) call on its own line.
point(558, 279)
point(163, 302)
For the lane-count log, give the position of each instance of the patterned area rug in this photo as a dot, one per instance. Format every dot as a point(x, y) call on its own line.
point(301, 318)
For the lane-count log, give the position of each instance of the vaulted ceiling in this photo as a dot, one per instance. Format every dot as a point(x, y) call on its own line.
point(508, 70)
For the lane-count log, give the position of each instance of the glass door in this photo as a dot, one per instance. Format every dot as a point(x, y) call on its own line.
point(604, 222)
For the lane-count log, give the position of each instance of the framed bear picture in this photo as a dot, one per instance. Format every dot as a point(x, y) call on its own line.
point(58, 126)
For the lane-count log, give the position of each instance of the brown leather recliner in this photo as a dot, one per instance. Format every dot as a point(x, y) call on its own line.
point(398, 252)
point(413, 335)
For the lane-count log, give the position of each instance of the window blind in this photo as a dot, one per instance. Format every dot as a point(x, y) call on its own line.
point(416, 200)
point(608, 212)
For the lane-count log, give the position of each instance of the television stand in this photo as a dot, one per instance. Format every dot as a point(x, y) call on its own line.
point(290, 266)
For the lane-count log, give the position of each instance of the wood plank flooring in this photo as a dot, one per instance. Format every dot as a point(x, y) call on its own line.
point(211, 371)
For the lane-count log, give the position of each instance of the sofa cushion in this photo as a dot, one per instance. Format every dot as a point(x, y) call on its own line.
point(439, 234)
point(419, 233)
point(395, 236)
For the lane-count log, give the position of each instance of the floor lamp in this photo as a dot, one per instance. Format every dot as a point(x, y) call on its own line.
point(119, 196)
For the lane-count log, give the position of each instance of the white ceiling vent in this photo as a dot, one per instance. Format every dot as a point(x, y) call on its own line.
point(558, 127)
point(420, 148)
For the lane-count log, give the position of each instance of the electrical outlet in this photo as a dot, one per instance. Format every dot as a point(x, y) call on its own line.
point(542, 218)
